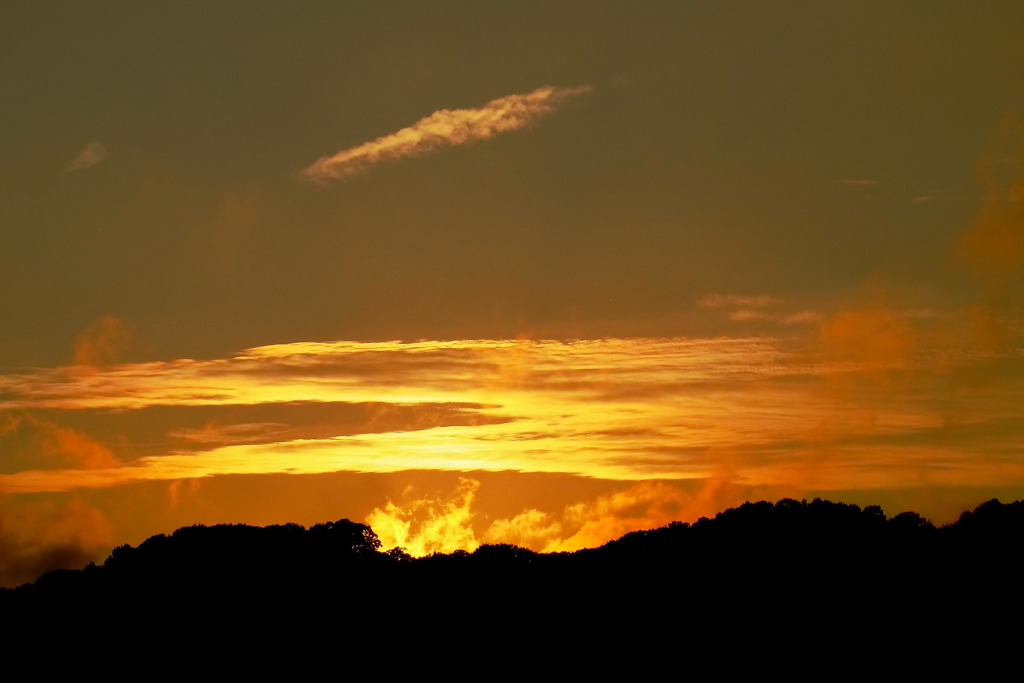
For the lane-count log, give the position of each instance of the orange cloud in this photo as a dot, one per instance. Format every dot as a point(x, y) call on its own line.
point(872, 337)
point(38, 537)
point(994, 245)
point(529, 529)
point(645, 505)
point(36, 443)
point(443, 128)
point(103, 343)
point(80, 449)
point(174, 490)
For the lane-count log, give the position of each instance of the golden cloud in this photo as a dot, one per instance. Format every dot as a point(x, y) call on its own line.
point(620, 409)
point(446, 522)
point(428, 525)
point(443, 128)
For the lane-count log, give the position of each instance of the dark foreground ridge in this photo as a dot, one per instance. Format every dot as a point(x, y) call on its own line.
point(792, 558)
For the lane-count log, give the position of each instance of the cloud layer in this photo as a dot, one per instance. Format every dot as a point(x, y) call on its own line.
point(870, 408)
point(443, 128)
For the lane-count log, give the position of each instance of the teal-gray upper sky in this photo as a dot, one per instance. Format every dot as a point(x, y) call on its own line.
point(714, 154)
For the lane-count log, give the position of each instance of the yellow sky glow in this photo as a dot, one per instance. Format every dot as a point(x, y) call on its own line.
point(626, 409)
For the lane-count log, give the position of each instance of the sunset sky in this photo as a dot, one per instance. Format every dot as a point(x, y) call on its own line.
point(538, 273)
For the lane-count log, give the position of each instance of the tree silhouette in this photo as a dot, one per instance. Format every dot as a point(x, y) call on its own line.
point(783, 561)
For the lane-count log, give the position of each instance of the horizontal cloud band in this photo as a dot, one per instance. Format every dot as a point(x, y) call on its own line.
point(622, 409)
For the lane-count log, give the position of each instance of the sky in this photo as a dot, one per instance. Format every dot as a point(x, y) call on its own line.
point(538, 273)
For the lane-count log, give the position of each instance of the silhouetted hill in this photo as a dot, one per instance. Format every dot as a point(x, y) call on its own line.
point(779, 562)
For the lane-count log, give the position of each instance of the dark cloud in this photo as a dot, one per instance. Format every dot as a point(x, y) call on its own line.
point(37, 537)
point(156, 430)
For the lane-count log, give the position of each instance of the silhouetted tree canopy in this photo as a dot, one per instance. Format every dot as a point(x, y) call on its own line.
point(785, 559)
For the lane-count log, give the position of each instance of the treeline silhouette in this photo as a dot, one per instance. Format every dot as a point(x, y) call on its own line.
point(773, 561)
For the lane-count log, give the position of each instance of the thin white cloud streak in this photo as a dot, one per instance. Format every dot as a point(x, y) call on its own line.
point(745, 314)
point(936, 196)
point(748, 308)
point(798, 318)
point(443, 128)
point(756, 301)
point(806, 316)
point(93, 154)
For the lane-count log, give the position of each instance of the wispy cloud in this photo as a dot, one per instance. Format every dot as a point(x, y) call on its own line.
point(462, 371)
point(443, 128)
point(28, 441)
point(798, 318)
point(745, 314)
point(936, 196)
point(236, 433)
point(751, 308)
point(757, 301)
point(805, 316)
point(93, 154)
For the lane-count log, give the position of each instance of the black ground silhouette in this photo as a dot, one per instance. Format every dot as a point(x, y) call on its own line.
point(759, 568)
